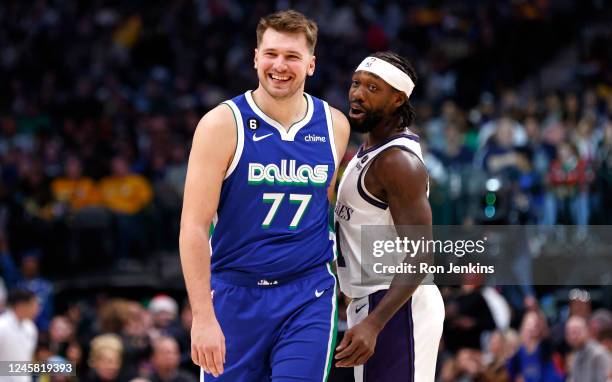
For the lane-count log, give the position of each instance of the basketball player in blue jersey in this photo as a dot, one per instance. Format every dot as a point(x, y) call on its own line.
point(262, 294)
point(394, 326)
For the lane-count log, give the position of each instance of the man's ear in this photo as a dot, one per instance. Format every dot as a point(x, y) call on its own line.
point(311, 66)
point(255, 58)
point(399, 98)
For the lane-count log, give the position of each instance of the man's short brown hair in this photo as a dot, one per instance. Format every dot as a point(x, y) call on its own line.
point(289, 21)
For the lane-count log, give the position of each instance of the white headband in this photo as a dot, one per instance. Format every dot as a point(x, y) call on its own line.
point(391, 74)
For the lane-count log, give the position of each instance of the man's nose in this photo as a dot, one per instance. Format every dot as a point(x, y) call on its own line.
point(355, 93)
point(280, 64)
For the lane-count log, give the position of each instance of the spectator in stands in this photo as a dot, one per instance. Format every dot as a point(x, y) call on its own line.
point(113, 315)
point(18, 333)
point(130, 322)
point(28, 277)
point(455, 154)
point(126, 194)
point(503, 345)
point(498, 155)
point(579, 303)
point(435, 127)
point(74, 190)
point(165, 360)
point(136, 337)
point(468, 316)
point(61, 333)
point(105, 359)
point(584, 138)
point(74, 355)
point(533, 361)
point(599, 321)
point(487, 367)
point(164, 311)
point(466, 366)
point(590, 361)
point(603, 168)
point(568, 182)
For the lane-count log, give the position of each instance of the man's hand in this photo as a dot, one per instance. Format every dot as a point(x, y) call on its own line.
point(358, 344)
point(208, 345)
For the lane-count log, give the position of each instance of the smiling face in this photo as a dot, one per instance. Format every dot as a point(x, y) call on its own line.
point(283, 60)
point(371, 100)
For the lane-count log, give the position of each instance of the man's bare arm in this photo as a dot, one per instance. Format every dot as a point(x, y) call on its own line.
point(403, 178)
point(400, 178)
point(213, 147)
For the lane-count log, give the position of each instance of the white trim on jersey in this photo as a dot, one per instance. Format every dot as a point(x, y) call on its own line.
point(286, 135)
point(362, 177)
point(239, 140)
point(332, 330)
point(214, 223)
point(330, 132)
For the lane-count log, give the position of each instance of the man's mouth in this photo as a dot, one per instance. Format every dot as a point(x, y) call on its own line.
point(356, 111)
point(279, 78)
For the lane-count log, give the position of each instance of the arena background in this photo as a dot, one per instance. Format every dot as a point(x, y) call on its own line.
point(107, 94)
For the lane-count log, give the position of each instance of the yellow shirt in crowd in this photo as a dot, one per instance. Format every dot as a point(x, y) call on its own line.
point(128, 194)
point(78, 193)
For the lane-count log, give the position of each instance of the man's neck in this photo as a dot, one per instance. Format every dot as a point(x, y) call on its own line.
point(166, 374)
point(385, 129)
point(583, 345)
point(18, 315)
point(286, 111)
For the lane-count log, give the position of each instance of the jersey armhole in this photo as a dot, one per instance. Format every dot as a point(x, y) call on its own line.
point(239, 138)
point(363, 191)
point(330, 133)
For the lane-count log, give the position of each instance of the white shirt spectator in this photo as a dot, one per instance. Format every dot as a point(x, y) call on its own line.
point(18, 341)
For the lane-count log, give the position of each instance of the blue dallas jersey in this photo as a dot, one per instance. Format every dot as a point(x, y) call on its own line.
point(272, 219)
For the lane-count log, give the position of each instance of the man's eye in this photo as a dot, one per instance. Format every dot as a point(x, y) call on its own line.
point(372, 88)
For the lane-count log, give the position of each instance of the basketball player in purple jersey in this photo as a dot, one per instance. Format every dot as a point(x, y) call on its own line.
point(394, 327)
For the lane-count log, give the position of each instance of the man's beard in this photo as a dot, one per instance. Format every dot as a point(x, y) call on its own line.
point(367, 124)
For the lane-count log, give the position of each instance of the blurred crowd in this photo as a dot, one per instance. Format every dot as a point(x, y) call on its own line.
point(480, 342)
point(102, 99)
point(485, 339)
point(109, 339)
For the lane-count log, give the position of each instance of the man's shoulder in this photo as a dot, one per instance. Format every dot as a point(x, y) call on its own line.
point(399, 160)
point(30, 327)
point(4, 320)
point(597, 350)
point(217, 118)
point(222, 110)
